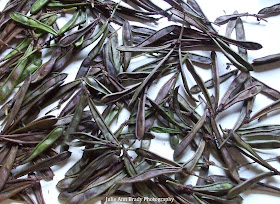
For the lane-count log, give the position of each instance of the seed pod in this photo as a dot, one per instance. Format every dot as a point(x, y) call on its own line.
point(270, 10)
point(31, 22)
point(127, 41)
point(69, 23)
point(46, 143)
point(246, 184)
point(37, 6)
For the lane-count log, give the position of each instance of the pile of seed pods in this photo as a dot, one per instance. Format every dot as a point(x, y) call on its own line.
point(118, 160)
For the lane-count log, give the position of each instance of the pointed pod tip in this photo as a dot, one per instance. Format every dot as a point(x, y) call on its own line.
point(176, 154)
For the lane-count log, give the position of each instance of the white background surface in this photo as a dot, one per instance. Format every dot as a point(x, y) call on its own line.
point(267, 34)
